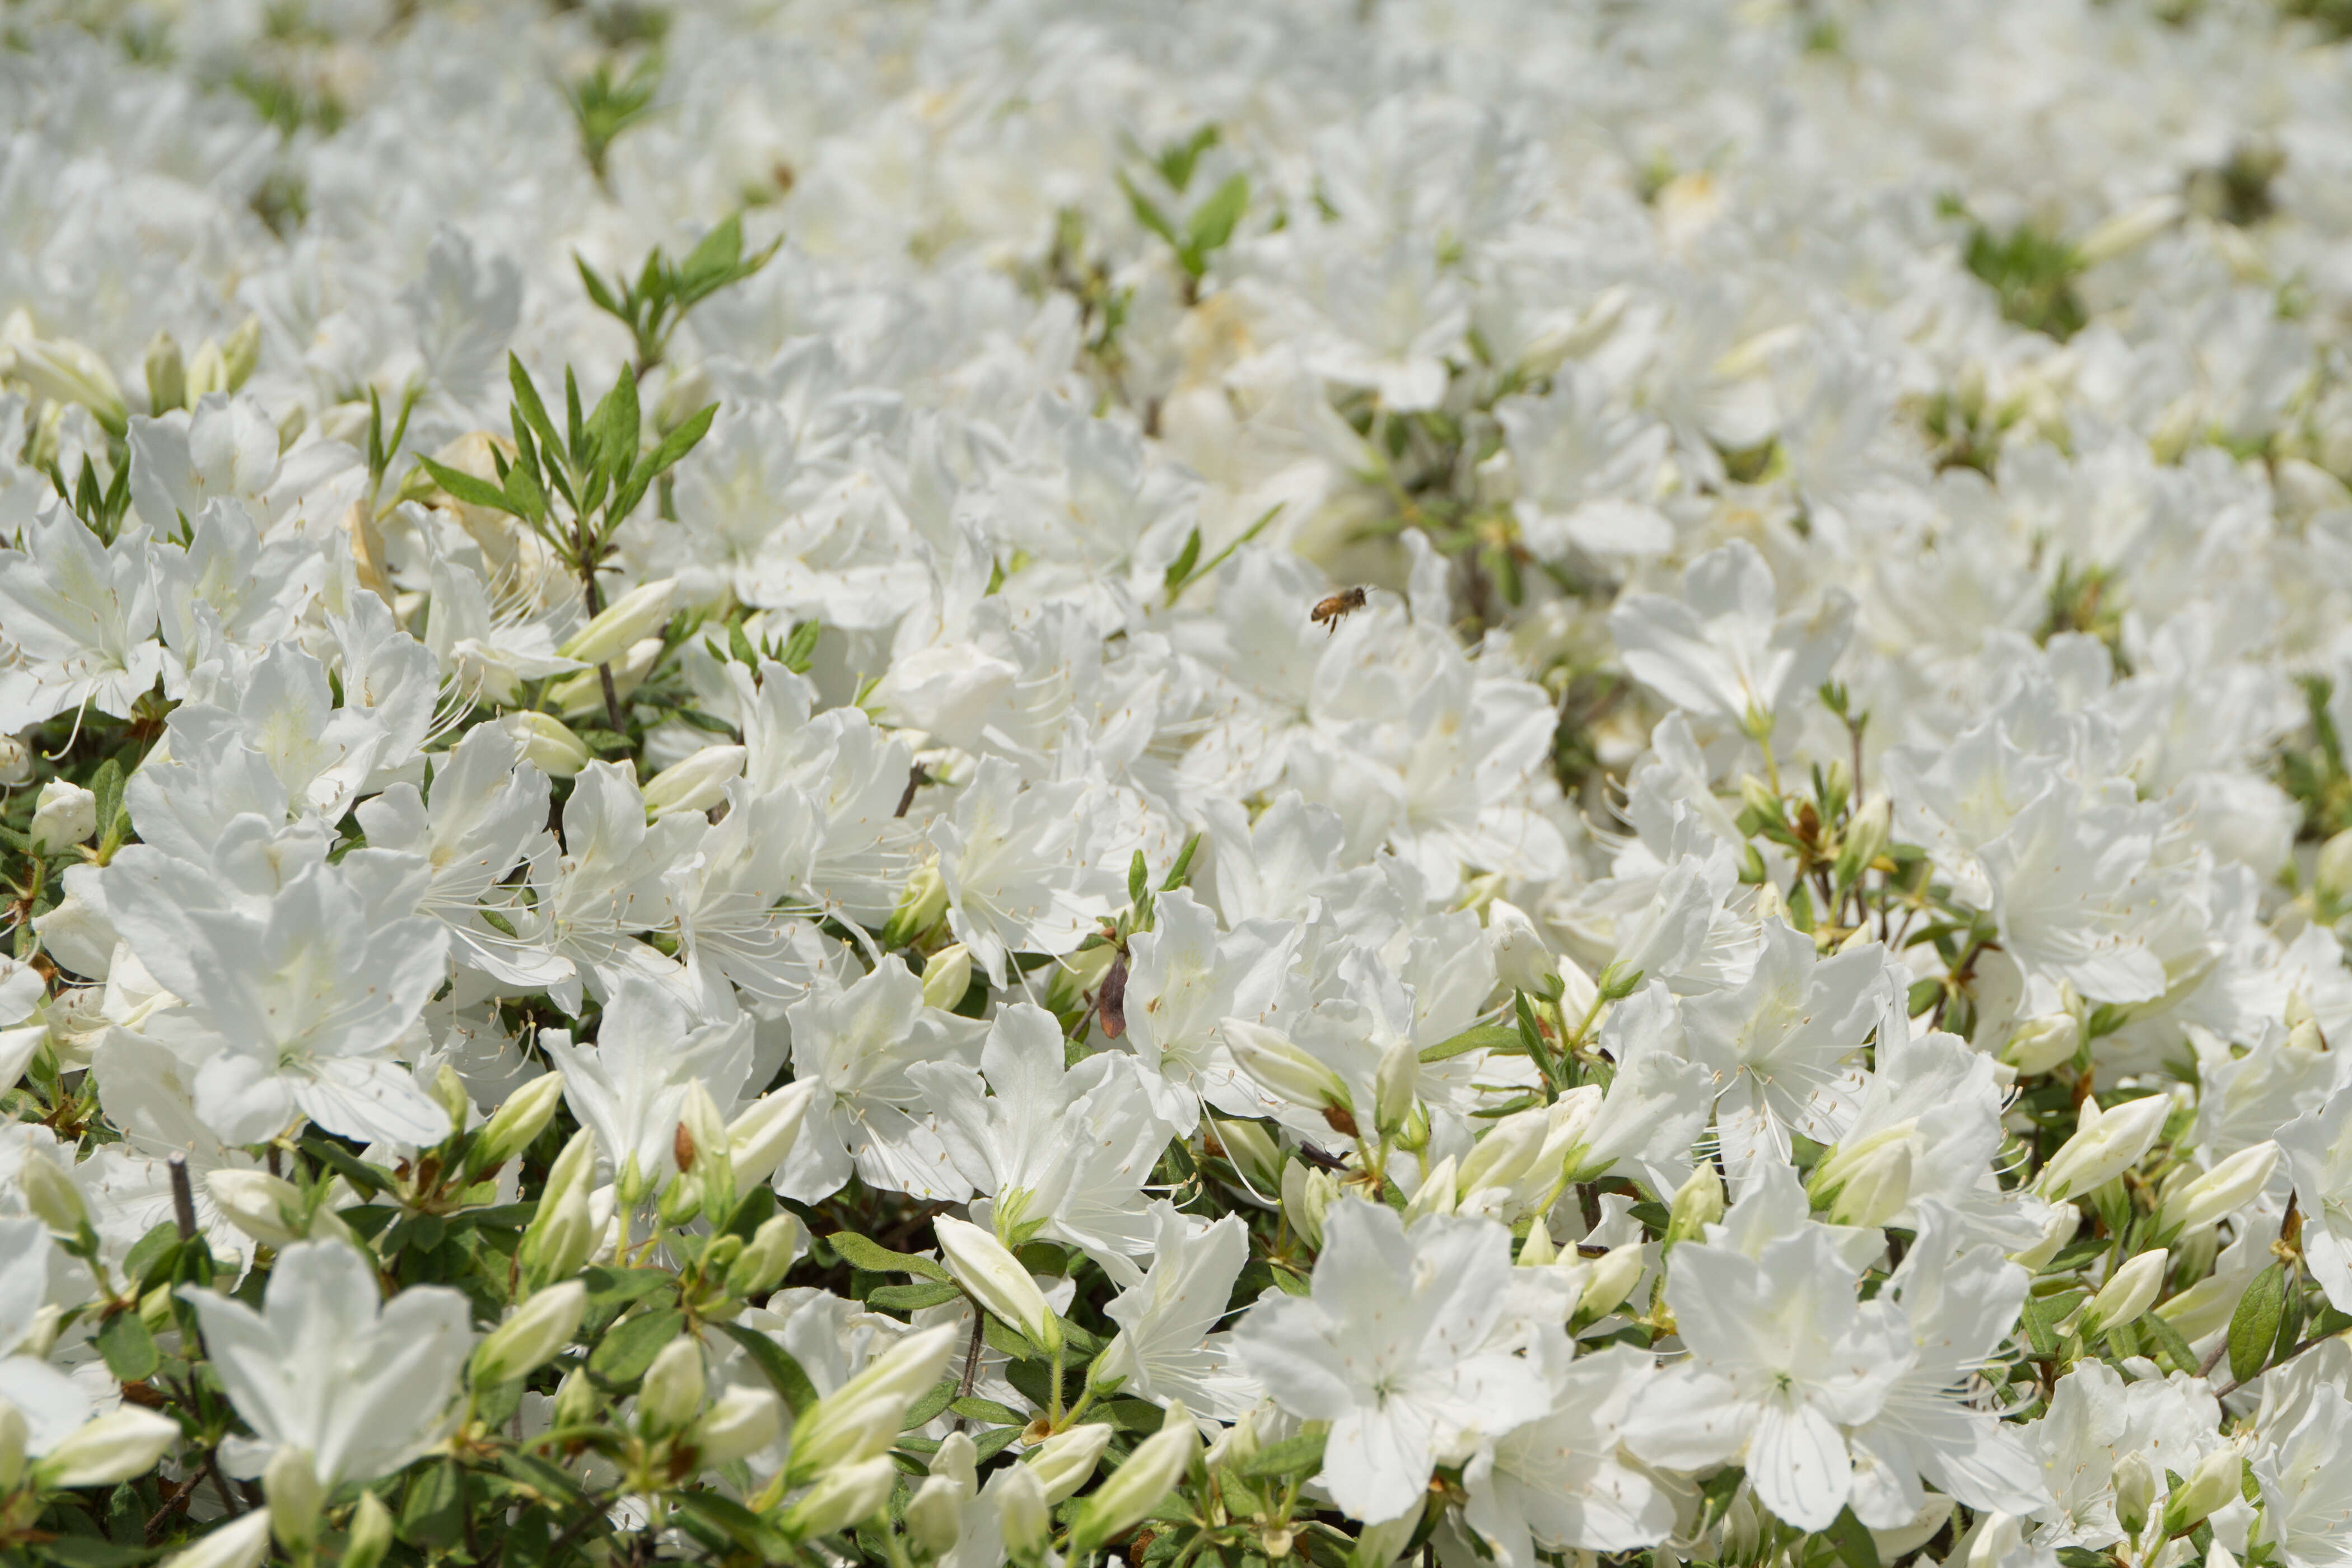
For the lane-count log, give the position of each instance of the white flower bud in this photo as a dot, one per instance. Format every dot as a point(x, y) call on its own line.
point(1254, 1154)
point(15, 762)
point(640, 612)
point(510, 1130)
point(841, 1497)
point(1503, 1155)
point(934, 1518)
point(1438, 1194)
point(2213, 1485)
point(265, 1207)
point(2058, 1229)
point(758, 1139)
point(1399, 1077)
point(1522, 960)
point(1875, 1187)
point(1021, 1516)
point(769, 1256)
point(546, 743)
point(1865, 835)
point(2223, 1190)
point(958, 1459)
point(2333, 873)
point(533, 1334)
point(2041, 1043)
point(49, 1193)
point(371, 1535)
point(672, 1391)
point(1281, 1068)
point(242, 1542)
point(1538, 1251)
point(2136, 1483)
point(62, 369)
point(1064, 1460)
point(63, 814)
point(291, 1485)
point(740, 1422)
point(114, 1446)
point(562, 1237)
point(2107, 1145)
point(995, 1279)
point(1613, 1278)
point(1120, 1503)
point(2129, 1292)
point(946, 976)
point(693, 784)
point(1306, 1196)
point(1697, 1203)
point(13, 1434)
point(863, 1416)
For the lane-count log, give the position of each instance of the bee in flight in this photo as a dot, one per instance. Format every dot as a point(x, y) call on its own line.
point(1338, 607)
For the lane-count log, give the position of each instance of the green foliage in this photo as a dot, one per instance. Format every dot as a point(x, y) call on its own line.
point(2033, 274)
point(653, 304)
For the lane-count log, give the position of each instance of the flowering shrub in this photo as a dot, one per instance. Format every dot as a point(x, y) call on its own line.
point(1029, 782)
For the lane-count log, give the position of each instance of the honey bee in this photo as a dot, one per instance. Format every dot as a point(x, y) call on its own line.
point(1338, 607)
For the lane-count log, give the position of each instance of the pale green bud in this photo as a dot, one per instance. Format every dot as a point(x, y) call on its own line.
point(1439, 1193)
point(371, 1535)
point(1875, 1187)
point(863, 1416)
point(841, 1497)
point(2223, 1190)
point(702, 1148)
point(1064, 1460)
point(995, 1279)
point(2058, 1229)
point(1523, 960)
point(1021, 1512)
point(1120, 1503)
point(1254, 1154)
point(291, 1485)
point(768, 1258)
point(1305, 1199)
point(920, 904)
point(2127, 1294)
point(693, 784)
point(449, 1090)
point(265, 1207)
point(2214, 1484)
point(575, 1399)
point(241, 355)
point(946, 976)
point(934, 1517)
point(758, 1139)
point(64, 814)
point(167, 376)
point(1282, 1069)
point(511, 1128)
point(1865, 835)
point(1538, 1251)
point(2136, 1483)
point(112, 1448)
point(1507, 1152)
point(740, 1422)
point(640, 612)
point(545, 743)
point(672, 1391)
point(534, 1334)
point(14, 1436)
point(2333, 873)
point(1399, 1077)
point(1613, 1278)
point(2041, 1043)
point(562, 1234)
point(958, 1459)
point(2106, 1146)
point(242, 1542)
point(50, 1193)
point(1697, 1203)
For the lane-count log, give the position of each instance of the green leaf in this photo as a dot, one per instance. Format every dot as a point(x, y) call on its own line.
point(1186, 559)
point(737, 1523)
point(1139, 878)
point(2254, 1327)
point(1148, 215)
point(913, 1298)
point(526, 403)
point(2166, 1340)
point(128, 1347)
point(624, 1355)
point(681, 441)
point(800, 649)
point(2083, 1557)
point(92, 1551)
point(1182, 872)
point(1855, 1547)
point(1476, 1037)
point(1213, 221)
point(776, 1364)
point(612, 1291)
point(716, 252)
point(467, 489)
point(875, 1258)
point(150, 1262)
point(920, 1413)
point(365, 1177)
point(615, 424)
point(1292, 1456)
point(973, 1407)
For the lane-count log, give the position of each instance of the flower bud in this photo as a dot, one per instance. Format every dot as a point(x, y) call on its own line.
point(672, 1391)
point(13, 1434)
point(63, 814)
point(115, 1446)
point(1120, 1503)
point(1393, 1086)
point(15, 762)
point(740, 1422)
point(1253, 1153)
point(456, 1102)
point(2058, 1229)
point(575, 1399)
point(862, 1417)
point(511, 1128)
point(50, 1193)
point(2128, 229)
point(1306, 1196)
point(640, 612)
point(2105, 1147)
point(2214, 1484)
point(920, 904)
point(1501, 1157)
point(241, 1543)
point(265, 1207)
point(1522, 960)
point(2223, 1190)
point(240, 355)
point(1613, 1278)
point(841, 1497)
point(946, 976)
point(2127, 1293)
point(2333, 873)
point(66, 370)
point(1439, 1193)
point(167, 375)
point(1021, 1515)
point(2041, 1043)
point(1538, 1251)
point(1064, 1460)
point(957, 1459)
point(371, 1535)
point(1865, 835)
point(768, 1258)
point(693, 784)
point(545, 743)
point(995, 1279)
point(758, 1139)
point(702, 1146)
point(1699, 1202)
point(532, 1335)
point(1282, 1069)
point(292, 1486)
point(2136, 1482)
point(562, 1237)
point(1875, 1187)
point(934, 1518)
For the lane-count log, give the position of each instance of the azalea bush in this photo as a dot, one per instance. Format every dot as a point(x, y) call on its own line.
point(1033, 783)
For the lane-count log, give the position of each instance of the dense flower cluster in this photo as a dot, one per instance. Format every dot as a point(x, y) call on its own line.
point(990, 784)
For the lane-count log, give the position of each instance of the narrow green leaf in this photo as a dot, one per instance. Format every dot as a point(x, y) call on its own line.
point(1292, 1456)
point(624, 1355)
point(1213, 221)
point(128, 1347)
point(1476, 1037)
point(682, 440)
point(775, 1363)
point(913, 1298)
point(1186, 559)
point(467, 489)
point(1855, 1548)
point(2254, 1327)
point(615, 424)
point(874, 1258)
